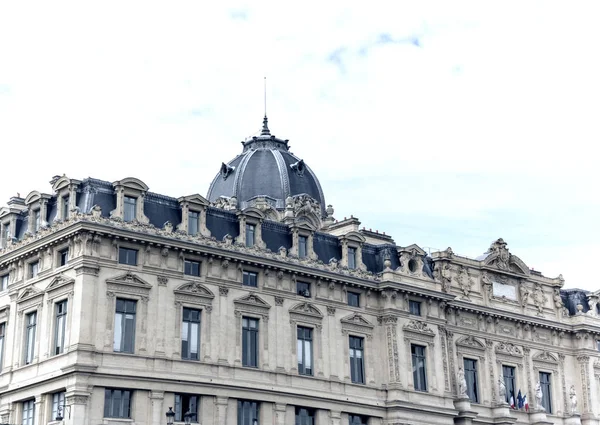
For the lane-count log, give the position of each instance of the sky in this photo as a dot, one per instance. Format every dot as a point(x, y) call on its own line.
point(440, 123)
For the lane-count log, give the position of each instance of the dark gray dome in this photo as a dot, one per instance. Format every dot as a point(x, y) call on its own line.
point(266, 169)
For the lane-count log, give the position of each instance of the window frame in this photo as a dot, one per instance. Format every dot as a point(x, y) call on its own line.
point(354, 294)
point(304, 415)
point(128, 251)
point(127, 206)
point(195, 220)
point(29, 407)
point(187, 356)
point(249, 273)
point(37, 221)
point(2, 343)
point(178, 407)
point(301, 352)
point(191, 262)
point(63, 254)
point(354, 367)
point(513, 378)
point(248, 334)
point(247, 411)
point(413, 303)
point(417, 385)
point(123, 326)
point(352, 419)
point(33, 269)
point(60, 324)
point(306, 287)
point(302, 246)
point(4, 281)
point(351, 252)
point(58, 402)
point(122, 407)
point(250, 230)
point(546, 391)
point(475, 371)
point(30, 342)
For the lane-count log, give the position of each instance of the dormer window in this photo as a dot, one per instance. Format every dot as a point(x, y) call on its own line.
point(129, 208)
point(351, 258)
point(250, 232)
point(193, 222)
point(302, 246)
point(65, 207)
point(36, 220)
point(65, 190)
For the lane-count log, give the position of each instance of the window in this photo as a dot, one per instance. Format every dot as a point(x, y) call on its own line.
point(29, 412)
point(58, 404)
point(124, 338)
point(304, 350)
point(357, 368)
point(351, 258)
point(36, 220)
point(128, 256)
point(190, 334)
point(31, 322)
point(302, 243)
point(250, 230)
point(250, 279)
point(193, 221)
point(353, 299)
point(65, 207)
point(546, 391)
point(63, 257)
point(597, 342)
point(509, 381)
point(59, 331)
point(186, 403)
point(117, 403)
point(249, 342)
point(303, 288)
point(34, 269)
point(247, 412)
point(6, 234)
point(419, 365)
point(414, 307)
point(471, 378)
point(305, 416)
point(191, 268)
point(129, 208)
point(356, 420)
point(2, 334)
point(4, 282)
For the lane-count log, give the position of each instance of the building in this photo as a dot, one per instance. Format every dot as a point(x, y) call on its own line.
point(118, 303)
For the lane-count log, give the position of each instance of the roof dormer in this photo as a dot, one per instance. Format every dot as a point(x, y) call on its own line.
point(130, 193)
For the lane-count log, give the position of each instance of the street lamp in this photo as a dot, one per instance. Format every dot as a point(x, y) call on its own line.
point(255, 422)
point(170, 415)
point(187, 417)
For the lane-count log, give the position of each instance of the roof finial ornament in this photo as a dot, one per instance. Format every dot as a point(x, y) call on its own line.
point(265, 128)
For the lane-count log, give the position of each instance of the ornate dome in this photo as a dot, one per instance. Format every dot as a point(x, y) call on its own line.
point(265, 171)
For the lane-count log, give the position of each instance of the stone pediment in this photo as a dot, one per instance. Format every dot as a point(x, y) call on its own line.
point(59, 282)
point(356, 323)
point(509, 349)
point(414, 249)
point(129, 283)
point(306, 311)
point(546, 357)
point(471, 342)
point(499, 257)
point(28, 294)
point(194, 292)
point(195, 199)
point(417, 326)
point(252, 303)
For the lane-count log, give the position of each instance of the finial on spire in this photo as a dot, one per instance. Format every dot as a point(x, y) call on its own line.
point(265, 128)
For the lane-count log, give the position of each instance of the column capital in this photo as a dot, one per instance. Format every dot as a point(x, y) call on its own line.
point(156, 395)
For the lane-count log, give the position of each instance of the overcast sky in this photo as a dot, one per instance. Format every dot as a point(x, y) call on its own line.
point(440, 123)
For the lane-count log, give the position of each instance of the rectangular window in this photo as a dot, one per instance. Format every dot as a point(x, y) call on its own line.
point(471, 378)
point(414, 307)
point(305, 416)
point(63, 257)
point(419, 365)
point(60, 324)
point(4, 282)
point(2, 334)
point(303, 288)
point(6, 232)
point(29, 412)
point(249, 342)
point(124, 338)
point(36, 220)
point(128, 256)
point(305, 366)
point(356, 420)
point(250, 230)
point(250, 279)
point(117, 403)
point(31, 322)
point(34, 269)
point(353, 299)
point(509, 381)
point(302, 243)
point(193, 222)
point(351, 258)
point(129, 207)
point(185, 403)
point(65, 207)
point(247, 412)
point(597, 342)
point(191, 268)
point(58, 404)
point(190, 334)
point(357, 367)
point(545, 382)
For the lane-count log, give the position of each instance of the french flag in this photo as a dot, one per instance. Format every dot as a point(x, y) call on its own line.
point(526, 403)
point(512, 402)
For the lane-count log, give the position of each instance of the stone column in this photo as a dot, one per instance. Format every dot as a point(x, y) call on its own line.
point(584, 367)
point(294, 354)
point(323, 417)
point(336, 417)
point(78, 406)
point(207, 332)
point(222, 327)
point(265, 336)
point(318, 342)
point(333, 344)
point(144, 325)
point(156, 399)
point(238, 338)
point(40, 409)
point(279, 414)
point(279, 335)
point(161, 314)
point(221, 410)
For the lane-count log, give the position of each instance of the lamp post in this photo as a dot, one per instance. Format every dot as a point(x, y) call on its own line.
point(187, 417)
point(170, 415)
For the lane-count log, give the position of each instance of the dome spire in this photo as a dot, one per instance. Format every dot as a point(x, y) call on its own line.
point(265, 128)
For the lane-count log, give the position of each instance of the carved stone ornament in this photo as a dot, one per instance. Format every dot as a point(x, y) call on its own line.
point(487, 284)
point(129, 283)
point(539, 299)
point(558, 302)
point(508, 348)
point(524, 292)
point(252, 303)
point(443, 275)
point(573, 398)
point(471, 342)
point(306, 312)
point(356, 323)
point(419, 327)
point(194, 292)
point(464, 281)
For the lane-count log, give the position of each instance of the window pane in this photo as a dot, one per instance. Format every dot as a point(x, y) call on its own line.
point(509, 382)
point(415, 308)
point(546, 391)
point(302, 246)
point(129, 208)
point(470, 369)
point(303, 288)
point(192, 268)
point(351, 258)
point(193, 223)
point(353, 299)
point(249, 279)
point(250, 235)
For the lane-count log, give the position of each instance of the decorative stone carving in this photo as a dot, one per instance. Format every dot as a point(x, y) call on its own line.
point(419, 327)
point(539, 396)
point(278, 301)
point(331, 311)
point(464, 281)
point(501, 389)
point(355, 322)
point(462, 383)
point(508, 348)
point(573, 398)
point(539, 299)
point(487, 284)
point(223, 291)
point(443, 275)
point(558, 302)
